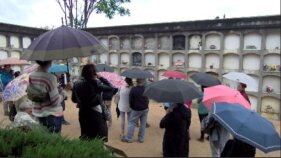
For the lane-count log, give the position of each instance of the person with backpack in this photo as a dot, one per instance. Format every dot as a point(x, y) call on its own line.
point(43, 91)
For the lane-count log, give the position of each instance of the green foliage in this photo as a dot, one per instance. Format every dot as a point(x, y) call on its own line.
point(40, 143)
point(77, 13)
point(112, 7)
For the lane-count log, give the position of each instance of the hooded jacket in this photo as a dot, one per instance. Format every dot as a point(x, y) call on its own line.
point(176, 136)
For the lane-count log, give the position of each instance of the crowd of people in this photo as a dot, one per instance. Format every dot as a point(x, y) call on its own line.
point(93, 95)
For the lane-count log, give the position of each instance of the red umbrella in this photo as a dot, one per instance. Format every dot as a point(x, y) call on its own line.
point(222, 93)
point(175, 74)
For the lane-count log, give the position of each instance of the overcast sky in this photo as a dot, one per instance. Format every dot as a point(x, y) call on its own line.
point(41, 13)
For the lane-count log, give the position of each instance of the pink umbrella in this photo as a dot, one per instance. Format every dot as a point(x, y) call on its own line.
point(222, 93)
point(13, 61)
point(175, 74)
point(116, 80)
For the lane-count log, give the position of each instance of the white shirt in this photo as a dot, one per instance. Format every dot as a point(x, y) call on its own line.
point(23, 118)
point(123, 104)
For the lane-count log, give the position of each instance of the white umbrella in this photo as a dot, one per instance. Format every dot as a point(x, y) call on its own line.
point(252, 84)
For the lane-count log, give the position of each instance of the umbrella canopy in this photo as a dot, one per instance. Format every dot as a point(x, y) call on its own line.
point(222, 93)
point(58, 68)
point(175, 74)
point(251, 83)
point(176, 91)
point(205, 79)
point(63, 43)
point(104, 67)
point(30, 68)
point(116, 80)
point(137, 73)
point(13, 61)
point(16, 88)
point(247, 126)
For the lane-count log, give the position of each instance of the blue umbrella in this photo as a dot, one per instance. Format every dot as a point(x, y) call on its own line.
point(58, 68)
point(247, 126)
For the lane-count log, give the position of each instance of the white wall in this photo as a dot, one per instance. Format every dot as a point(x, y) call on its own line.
point(254, 102)
point(26, 42)
point(3, 41)
point(150, 43)
point(149, 58)
point(125, 57)
point(272, 81)
point(165, 42)
point(232, 42)
point(15, 54)
point(195, 61)
point(212, 59)
point(252, 39)
point(272, 40)
point(231, 62)
point(3, 54)
point(15, 42)
point(103, 58)
point(272, 59)
point(160, 75)
point(164, 59)
point(273, 102)
point(251, 62)
point(194, 41)
point(113, 59)
point(213, 39)
point(137, 43)
point(178, 56)
point(104, 41)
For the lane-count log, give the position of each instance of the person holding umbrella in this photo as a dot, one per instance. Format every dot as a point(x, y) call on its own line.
point(176, 137)
point(202, 113)
point(6, 75)
point(139, 105)
point(43, 91)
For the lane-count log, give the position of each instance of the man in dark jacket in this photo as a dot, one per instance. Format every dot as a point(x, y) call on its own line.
point(139, 106)
point(176, 123)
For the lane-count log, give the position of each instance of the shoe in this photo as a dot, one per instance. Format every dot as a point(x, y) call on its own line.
point(147, 125)
point(207, 137)
point(140, 141)
point(65, 122)
point(200, 139)
point(126, 140)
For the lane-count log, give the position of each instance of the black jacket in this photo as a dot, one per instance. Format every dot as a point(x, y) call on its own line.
point(176, 136)
point(87, 93)
point(107, 95)
point(137, 100)
point(237, 148)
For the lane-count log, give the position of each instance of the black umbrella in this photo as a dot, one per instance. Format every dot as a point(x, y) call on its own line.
point(205, 79)
point(137, 73)
point(63, 43)
point(104, 67)
point(175, 91)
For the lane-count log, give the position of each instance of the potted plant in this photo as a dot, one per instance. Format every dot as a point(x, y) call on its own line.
point(149, 64)
point(265, 67)
point(211, 66)
point(273, 68)
point(251, 47)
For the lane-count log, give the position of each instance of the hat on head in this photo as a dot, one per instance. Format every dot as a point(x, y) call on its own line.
point(25, 104)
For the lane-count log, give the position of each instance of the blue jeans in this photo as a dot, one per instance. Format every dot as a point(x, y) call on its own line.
point(134, 117)
point(53, 123)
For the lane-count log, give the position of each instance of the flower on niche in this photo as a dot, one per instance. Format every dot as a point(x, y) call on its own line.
point(269, 89)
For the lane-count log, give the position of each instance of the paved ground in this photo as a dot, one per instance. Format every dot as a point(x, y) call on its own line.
point(152, 146)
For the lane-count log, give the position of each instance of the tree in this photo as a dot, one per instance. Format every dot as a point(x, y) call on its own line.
point(77, 12)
